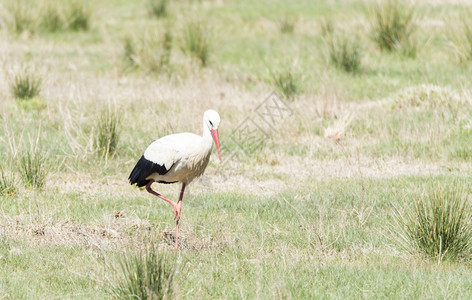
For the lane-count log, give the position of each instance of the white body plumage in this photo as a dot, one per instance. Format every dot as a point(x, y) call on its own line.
point(184, 155)
point(178, 157)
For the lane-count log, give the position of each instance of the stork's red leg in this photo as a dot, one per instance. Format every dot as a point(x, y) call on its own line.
point(179, 203)
point(177, 217)
point(177, 207)
point(174, 205)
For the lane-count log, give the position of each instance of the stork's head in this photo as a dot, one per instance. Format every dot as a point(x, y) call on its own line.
point(212, 120)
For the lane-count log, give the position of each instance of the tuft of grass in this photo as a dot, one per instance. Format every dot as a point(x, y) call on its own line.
point(287, 24)
point(344, 53)
point(158, 8)
point(156, 50)
point(7, 183)
point(51, 16)
point(32, 166)
point(394, 25)
point(26, 85)
point(438, 225)
point(166, 47)
point(327, 27)
point(461, 42)
point(107, 135)
point(152, 52)
point(148, 275)
point(129, 51)
point(22, 17)
point(78, 15)
point(51, 19)
point(197, 41)
point(287, 82)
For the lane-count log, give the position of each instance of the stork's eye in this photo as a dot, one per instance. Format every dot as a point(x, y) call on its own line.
point(211, 123)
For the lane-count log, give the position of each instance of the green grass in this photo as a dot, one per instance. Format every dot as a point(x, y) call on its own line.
point(7, 183)
point(33, 167)
point(438, 224)
point(21, 15)
point(49, 16)
point(149, 275)
point(52, 20)
point(287, 24)
point(424, 122)
point(197, 41)
point(461, 42)
point(344, 53)
point(79, 14)
point(305, 216)
point(129, 51)
point(33, 260)
point(151, 52)
point(287, 82)
point(158, 8)
point(107, 133)
point(394, 26)
point(327, 240)
point(26, 85)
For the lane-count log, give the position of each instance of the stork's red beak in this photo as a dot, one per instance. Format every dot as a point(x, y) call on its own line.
point(214, 133)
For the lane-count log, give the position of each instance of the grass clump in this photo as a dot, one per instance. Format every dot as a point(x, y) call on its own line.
point(26, 86)
point(344, 53)
point(78, 15)
point(156, 51)
point(287, 24)
point(107, 135)
point(32, 166)
point(152, 52)
point(51, 19)
point(438, 225)
point(287, 82)
point(197, 41)
point(394, 25)
point(158, 8)
point(461, 42)
point(7, 183)
point(129, 51)
point(50, 16)
point(327, 27)
point(148, 275)
point(22, 17)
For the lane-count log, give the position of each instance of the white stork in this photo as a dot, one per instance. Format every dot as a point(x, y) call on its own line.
point(177, 158)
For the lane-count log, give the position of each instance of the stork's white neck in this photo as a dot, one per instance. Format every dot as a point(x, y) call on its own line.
point(207, 138)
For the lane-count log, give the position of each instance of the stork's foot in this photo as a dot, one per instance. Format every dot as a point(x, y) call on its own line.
point(177, 210)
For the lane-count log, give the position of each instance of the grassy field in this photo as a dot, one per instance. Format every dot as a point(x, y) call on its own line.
point(311, 212)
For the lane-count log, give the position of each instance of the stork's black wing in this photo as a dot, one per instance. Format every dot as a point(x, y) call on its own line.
point(143, 169)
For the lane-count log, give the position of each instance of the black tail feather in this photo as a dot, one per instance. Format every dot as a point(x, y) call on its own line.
point(143, 169)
